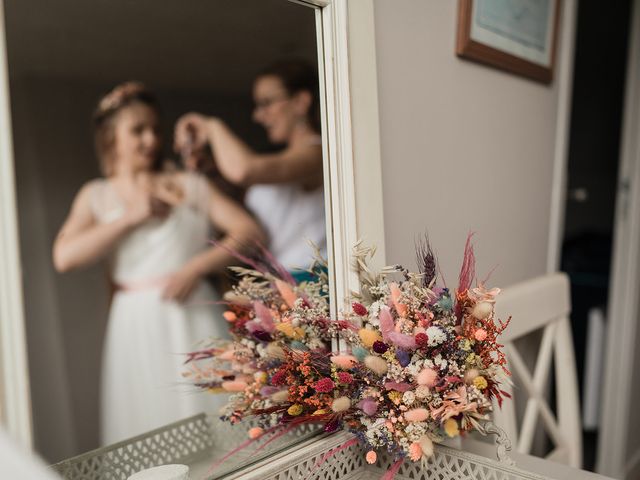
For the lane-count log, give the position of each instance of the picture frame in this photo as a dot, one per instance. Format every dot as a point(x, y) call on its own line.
point(518, 36)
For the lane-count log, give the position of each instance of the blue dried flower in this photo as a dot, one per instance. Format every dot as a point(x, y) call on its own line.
point(445, 303)
point(296, 345)
point(403, 358)
point(360, 353)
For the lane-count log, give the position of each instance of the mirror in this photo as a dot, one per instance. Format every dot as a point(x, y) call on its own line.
point(202, 57)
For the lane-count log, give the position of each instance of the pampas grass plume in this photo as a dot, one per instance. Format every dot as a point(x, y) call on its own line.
point(416, 415)
point(368, 337)
point(275, 351)
point(482, 310)
point(376, 364)
point(281, 396)
point(427, 377)
point(344, 361)
point(470, 376)
point(341, 404)
point(234, 386)
point(426, 444)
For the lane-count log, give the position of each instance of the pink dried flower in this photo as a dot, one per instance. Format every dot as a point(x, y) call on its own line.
point(359, 309)
point(480, 334)
point(406, 342)
point(422, 339)
point(324, 385)
point(345, 377)
point(368, 406)
point(279, 378)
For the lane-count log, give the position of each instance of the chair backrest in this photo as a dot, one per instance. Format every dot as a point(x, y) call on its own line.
point(541, 304)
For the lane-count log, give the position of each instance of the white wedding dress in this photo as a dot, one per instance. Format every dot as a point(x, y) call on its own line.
point(142, 386)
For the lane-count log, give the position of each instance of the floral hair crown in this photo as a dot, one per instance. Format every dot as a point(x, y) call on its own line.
point(117, 97)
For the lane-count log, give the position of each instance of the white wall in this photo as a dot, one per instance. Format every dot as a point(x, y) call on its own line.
point(464, 148)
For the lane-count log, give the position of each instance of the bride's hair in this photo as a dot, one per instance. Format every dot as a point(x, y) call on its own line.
point(121, 96)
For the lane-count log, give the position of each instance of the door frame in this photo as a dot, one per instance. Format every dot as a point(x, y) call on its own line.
point(15, 399)
point(613, 459)
point(624, 285)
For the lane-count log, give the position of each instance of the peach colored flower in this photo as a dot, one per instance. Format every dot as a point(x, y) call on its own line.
point(255, 432)
point(229, 316)
point(480, 334)
point(481, 294)
point(454, 403)
point(415, 452)
point(371, 457)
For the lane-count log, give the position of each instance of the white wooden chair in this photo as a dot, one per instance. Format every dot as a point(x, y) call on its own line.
point(541, 304)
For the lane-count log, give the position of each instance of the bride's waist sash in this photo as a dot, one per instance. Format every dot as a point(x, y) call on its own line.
point(138, 285)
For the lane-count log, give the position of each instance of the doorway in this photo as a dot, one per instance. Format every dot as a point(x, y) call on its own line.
point(600, 66)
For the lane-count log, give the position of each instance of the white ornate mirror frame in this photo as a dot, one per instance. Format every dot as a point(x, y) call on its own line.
point(347, 66)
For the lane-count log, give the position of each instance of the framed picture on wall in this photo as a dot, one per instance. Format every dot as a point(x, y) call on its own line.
point(518, 36)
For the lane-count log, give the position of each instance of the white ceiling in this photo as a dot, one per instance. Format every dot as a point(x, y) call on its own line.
point(199, 44)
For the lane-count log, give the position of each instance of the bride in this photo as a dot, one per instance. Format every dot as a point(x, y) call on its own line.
point(153, 227)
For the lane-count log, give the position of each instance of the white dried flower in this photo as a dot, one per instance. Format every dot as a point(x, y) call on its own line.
point(413, 369)
point(408, 397)
point(440, 362)
point(436, 336)
point(422, 391)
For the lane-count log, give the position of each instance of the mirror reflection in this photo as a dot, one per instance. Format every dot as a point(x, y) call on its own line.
point(141, 132)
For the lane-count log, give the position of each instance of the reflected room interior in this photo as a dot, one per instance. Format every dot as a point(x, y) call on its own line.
point(197, 56)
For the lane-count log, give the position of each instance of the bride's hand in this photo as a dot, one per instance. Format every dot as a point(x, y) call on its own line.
point(181, 285)
point(143, 206)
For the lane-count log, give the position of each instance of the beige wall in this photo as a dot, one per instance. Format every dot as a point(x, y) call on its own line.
point(464, 148)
